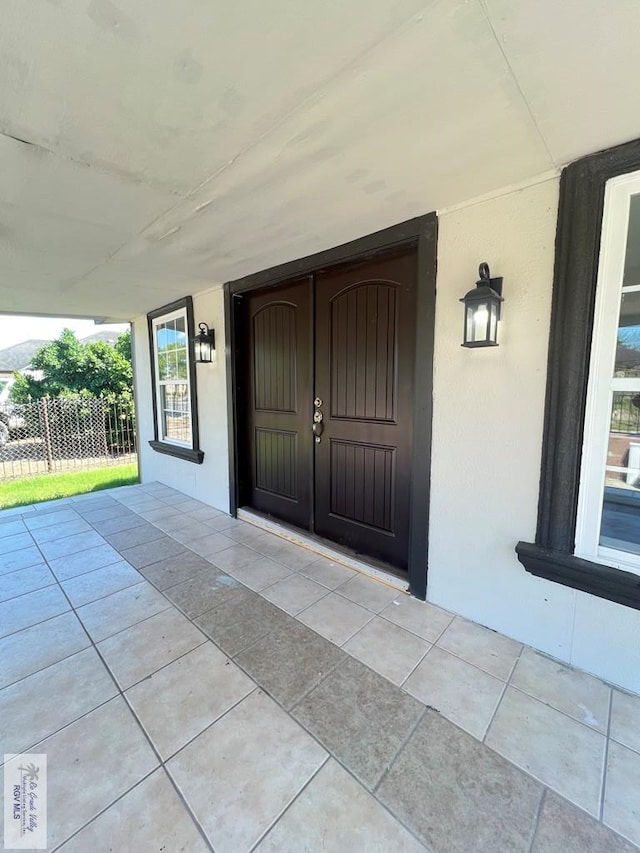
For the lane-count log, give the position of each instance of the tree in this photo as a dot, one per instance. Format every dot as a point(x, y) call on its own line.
point(67, 367)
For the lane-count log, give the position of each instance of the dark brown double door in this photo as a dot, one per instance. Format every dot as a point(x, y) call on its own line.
point(330, 403)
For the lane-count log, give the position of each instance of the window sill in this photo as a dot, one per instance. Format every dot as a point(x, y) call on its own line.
point(577, 573)
point(185, 453)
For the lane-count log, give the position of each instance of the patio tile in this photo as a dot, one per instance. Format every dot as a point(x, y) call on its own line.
point(29, 609)
point(367, 592)
point(206, 514)
point(12, 527)
point(327, 573)
point(39, 705)
point(176, 521)
point(191, 529)
point(294, 593)
point(86, 773)
point(151, 552)
point(224, 524)
point(57, 518)
point(222, 772)
point(290, 661)
point(100, 582)
point(388, 649)
point(294, 556)
point(138, 535)
point(460, 691)
point(459, 796)
point(621, 800)
point(71, 544)
point(335, 618)
point(176, 569)
point(241, 620)
point(51, 534)
point(261, 573)
point(138, 651)
point(17, 511)
point(563, 828)
point(425, 620)
point(121, 609)
point(182, 699)
point(249, 534)
point(360, 717)
point(86, 561)
point(110, 512)
point(150, 817)
point(235, 557)
point(206, 590)
point(21, 559)
point(336, 812)
point(625, 719)
point(207, 544)
point(25, 580)
point(483, 648)
point(575, 693)
point(35, 648)
point(154, 515)
point(124, 520)
point(564, 754)
point(10, 544)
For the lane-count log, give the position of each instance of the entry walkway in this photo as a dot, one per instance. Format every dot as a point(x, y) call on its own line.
point(200, 684)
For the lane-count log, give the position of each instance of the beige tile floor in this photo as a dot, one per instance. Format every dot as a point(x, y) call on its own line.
point(200, 684)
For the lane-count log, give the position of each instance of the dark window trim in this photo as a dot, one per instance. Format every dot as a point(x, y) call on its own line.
point(423, 233)
point(193, 453)
point(582, 188)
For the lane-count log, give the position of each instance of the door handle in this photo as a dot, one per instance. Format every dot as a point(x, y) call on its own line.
point(318, 429)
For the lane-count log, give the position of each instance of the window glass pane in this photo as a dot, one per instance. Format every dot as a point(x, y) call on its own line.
point(620, 526)
point(627, 363)
point(176, 418)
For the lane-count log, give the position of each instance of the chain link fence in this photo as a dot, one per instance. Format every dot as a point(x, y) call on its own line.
point(65, 434)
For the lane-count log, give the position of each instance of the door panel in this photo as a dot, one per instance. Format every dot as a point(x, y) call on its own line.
point(365, 345)
point(279, 405)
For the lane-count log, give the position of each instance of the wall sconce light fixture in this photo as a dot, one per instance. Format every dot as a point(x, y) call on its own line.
point(482, 310)
point(204, 344)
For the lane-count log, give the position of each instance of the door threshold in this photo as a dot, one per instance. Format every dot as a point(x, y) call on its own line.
point(379, 571)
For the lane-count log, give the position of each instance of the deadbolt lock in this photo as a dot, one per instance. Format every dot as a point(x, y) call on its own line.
point(317, 402)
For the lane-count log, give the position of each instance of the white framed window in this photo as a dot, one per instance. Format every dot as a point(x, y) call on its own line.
point(174, 380)
point(608, 522)
point(173, 393)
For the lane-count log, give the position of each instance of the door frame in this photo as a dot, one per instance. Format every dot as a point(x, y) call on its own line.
point(421, 233)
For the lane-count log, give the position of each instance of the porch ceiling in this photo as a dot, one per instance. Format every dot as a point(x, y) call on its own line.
point(148, 150)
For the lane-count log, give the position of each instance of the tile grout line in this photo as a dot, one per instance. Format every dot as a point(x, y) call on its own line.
point(543, 798)
point(603, 782)
point(507, 683)
point(291, 802)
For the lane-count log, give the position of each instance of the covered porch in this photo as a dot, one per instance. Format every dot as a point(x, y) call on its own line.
point(198, 683)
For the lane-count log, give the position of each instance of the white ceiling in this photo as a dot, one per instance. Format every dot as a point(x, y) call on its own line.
point(170, 145)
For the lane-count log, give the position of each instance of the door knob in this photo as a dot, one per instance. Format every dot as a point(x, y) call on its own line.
point(318, 429)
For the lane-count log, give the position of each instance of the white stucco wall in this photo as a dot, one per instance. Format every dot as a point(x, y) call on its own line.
point(209, 482)
point(487, 437)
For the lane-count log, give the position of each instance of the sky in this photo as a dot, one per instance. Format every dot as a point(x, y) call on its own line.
point(15, 329)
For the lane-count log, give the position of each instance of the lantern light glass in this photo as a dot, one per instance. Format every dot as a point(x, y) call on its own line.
point(482, 310)
point(204, 344)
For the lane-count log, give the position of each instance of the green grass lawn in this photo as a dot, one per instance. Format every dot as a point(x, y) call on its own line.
point(50, 486)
